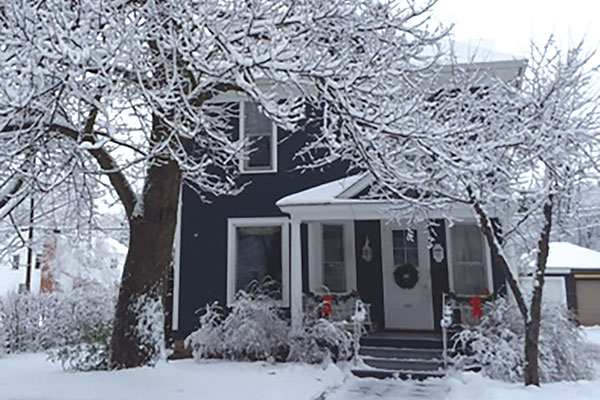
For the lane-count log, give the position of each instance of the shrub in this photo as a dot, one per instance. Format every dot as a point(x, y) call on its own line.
point(75, 326)
point(253, 330)
point(256, 329)
point(496, 345)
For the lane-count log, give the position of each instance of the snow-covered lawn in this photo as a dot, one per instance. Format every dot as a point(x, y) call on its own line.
point(30, 376)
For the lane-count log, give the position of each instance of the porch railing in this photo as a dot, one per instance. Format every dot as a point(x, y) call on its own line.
point(457, 313)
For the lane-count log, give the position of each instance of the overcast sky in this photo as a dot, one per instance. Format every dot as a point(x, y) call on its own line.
point(510, 24)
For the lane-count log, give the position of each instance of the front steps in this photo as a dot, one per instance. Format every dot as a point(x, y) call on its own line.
point(405, 358)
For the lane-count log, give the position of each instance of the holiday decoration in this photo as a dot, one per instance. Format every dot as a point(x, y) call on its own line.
point(326, 306)
point(475, 303)
point(406, 276)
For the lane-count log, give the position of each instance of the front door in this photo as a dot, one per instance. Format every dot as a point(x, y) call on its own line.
point(406, 278)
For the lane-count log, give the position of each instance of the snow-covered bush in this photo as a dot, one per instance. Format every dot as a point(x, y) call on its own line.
point(59, 321)
point(91, 354)
point(256, 329)
point(321, 339)
point(496, 345)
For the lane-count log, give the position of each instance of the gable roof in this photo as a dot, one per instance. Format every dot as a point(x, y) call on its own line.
point(338, 191)
point(568, 256)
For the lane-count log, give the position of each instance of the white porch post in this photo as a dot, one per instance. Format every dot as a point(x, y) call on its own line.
point(296, 275)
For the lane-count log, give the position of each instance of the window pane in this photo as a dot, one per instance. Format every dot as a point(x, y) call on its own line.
point(405, 247)
point(260, 152)
point(258, 131)
point(258, 255)
point(468, 260)
point(334, 268)
point(255, 123)
point(469, 245)
point(333, 243)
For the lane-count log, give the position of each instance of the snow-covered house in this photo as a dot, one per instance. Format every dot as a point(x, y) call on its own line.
point(572, 279)
point(315, 233)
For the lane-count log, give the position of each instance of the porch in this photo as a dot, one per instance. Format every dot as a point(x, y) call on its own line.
point(341, 244)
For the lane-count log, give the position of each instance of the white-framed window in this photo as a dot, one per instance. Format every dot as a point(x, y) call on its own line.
point(405, 249)
point(261, 135)
point(332, 261)
point(257, 250)
point(470, 260)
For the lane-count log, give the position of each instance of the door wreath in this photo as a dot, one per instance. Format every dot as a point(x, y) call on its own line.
point(406, 276)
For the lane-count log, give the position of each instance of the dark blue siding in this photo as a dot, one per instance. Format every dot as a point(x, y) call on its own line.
point(203, 262)
point(369, 275)
point(439, 271)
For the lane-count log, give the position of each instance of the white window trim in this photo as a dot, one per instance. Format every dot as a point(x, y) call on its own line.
point(243, 168)
point(232, 224)
point(315, 255)
point(487, 257)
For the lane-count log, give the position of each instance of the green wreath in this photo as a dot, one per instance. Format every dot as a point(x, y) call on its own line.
point(406, 276)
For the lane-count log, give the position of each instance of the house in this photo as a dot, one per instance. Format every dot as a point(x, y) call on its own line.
point(314, 233)
point(572, 279)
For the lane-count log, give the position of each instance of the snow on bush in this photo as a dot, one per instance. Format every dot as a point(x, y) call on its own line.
point(496, 345)
point(256, 329)
point(253, 330)
point(58, 321)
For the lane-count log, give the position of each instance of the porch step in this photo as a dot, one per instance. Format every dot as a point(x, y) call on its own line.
point(383, 374)
point(402, 343)
point(407, 364)
point(406, 353)
point(400, 362)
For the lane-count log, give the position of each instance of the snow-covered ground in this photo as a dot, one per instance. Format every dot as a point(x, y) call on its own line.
point(30, 376)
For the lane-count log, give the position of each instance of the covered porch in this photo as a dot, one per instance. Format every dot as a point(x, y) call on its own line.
point(342, 244)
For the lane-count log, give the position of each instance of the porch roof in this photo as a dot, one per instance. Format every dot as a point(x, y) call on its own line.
point(337, 200)
point(338, 191)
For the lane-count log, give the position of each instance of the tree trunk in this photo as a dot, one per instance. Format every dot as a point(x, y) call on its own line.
point(532, 325)
point(145, 274)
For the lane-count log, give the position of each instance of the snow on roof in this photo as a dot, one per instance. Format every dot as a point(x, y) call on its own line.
point(568, 255)
point(326, 193)
point(476, 51)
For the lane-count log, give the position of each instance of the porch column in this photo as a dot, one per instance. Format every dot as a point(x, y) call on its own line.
point(296, 275)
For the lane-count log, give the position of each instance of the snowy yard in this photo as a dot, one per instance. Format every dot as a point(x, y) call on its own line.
point(30, 376)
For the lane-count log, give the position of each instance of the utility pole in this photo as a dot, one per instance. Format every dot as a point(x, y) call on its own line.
point(29, 244)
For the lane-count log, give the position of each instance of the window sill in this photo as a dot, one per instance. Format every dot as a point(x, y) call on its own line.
point(258, 172)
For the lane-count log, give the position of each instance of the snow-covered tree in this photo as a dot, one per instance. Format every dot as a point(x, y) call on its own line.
point(518, 149)
point(135, 89)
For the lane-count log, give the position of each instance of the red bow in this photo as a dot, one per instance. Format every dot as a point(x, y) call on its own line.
point(326, 307)
point(475, 303)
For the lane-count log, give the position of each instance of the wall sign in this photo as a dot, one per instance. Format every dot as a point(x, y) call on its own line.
point(438, 253)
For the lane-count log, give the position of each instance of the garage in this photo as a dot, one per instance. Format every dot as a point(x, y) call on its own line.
point(572, 279)
point(587, 287)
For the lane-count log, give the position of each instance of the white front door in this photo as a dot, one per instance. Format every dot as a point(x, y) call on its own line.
point(406, 278)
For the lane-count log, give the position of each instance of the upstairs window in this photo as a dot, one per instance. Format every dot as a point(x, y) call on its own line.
point(261, 135)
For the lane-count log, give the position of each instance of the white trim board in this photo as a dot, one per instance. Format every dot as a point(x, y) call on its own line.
point(232, 224)
point(177, 264)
